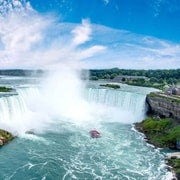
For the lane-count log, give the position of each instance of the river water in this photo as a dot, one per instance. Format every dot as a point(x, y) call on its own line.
point(60, 147)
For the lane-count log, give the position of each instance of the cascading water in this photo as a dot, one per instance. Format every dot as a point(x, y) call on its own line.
point(131, 103)
point(15, 113)
point(18, 111)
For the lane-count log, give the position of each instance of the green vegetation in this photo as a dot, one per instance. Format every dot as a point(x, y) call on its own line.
point(162, 133)
point(155, 125)
point(145, 83)
point(149, 78)
point(156, 76)
point(175, 164)
point(5, 89)
point(5, 137)
point(152, 94)
point(21, 72)
point(114, 86)
point(171, 98)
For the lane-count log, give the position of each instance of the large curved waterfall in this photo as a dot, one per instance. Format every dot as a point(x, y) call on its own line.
point(18, 111)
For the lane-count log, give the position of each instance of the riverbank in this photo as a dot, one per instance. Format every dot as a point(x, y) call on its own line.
point(173, 161)
point(5, 137)
point(163, 133)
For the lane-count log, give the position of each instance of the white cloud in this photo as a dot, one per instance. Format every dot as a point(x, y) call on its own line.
point(91, 51)
point(34, 41)
point(30, 40)
point(7, 6)
point(82, 33)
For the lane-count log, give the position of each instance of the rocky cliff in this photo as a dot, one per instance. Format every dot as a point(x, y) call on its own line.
point(164, 105)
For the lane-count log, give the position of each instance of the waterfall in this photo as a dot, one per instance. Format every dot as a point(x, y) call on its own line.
point(130, 102)
point(16, 112)
point(27, 110)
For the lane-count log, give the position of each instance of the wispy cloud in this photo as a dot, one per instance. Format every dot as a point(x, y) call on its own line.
point(82, 32)
point(129, 50)
point(87, 53)
point(106, 1)
point(30, 40)
point(167, 5)
point(156, 4)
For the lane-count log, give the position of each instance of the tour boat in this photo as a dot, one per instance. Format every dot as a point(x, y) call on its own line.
point(94, 134)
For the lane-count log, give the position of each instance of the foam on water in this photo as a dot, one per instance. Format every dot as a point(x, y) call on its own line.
point(98, 158)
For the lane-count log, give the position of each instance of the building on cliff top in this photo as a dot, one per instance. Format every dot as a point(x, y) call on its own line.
point(172, 90)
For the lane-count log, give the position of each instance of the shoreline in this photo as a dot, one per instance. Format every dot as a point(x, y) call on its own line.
point(170, 158)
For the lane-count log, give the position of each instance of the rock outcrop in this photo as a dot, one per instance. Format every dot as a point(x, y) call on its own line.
point(164, 105)
point(5, 137)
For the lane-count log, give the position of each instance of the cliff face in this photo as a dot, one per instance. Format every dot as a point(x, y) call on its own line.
point(163, 105)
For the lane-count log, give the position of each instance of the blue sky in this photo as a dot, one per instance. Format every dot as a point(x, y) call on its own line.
point(159, 18)
point(135, 34)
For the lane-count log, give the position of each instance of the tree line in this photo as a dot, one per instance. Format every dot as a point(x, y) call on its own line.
point(171, 76)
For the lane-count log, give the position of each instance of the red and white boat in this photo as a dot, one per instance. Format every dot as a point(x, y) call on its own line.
point(94, 134)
